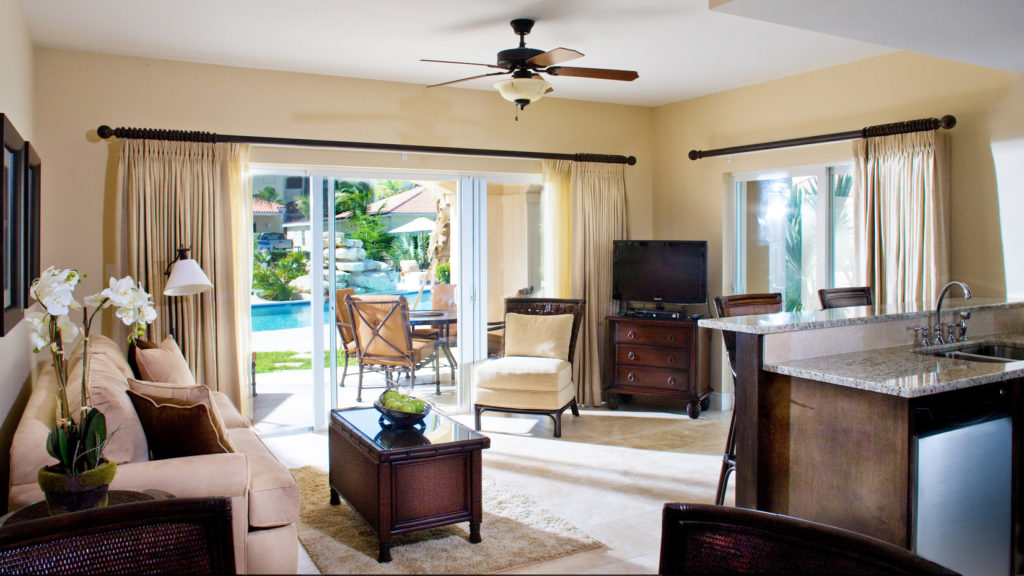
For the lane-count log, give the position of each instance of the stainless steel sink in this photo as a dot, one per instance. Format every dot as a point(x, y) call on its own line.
point(985, 353)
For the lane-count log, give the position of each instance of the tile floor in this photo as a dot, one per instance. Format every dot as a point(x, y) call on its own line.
point(609, 474)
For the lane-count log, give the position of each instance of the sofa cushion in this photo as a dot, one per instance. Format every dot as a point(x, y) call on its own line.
point(273, 492)
point(544, 336)
point(107, 382)
point(229, 415)
point(164, 363)
point(187, 394)
point(176, 428)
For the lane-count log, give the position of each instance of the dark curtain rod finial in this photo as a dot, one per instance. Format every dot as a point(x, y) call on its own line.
point(920, 125)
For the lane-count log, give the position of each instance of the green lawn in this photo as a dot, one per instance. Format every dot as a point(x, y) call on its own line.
point(287, 360)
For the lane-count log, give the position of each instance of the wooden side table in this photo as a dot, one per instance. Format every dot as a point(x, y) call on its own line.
point(406, 480)
point(38, 510)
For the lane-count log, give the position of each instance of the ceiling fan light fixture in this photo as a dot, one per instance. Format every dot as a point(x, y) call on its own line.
point(522, 91)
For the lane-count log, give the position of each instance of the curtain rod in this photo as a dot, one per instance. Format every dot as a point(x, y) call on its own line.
point(105, 131)
point(921, 125)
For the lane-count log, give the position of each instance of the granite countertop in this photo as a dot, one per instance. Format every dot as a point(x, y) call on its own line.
point(900, 371)
point(850, 316)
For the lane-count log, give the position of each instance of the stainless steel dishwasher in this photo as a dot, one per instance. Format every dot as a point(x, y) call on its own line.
point(962, 496)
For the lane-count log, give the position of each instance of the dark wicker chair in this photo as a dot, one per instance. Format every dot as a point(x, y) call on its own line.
point(384, 340)
point(541, 306)
point(166, 536)
point(842, 297)
point(727, 307)
point(705, 539)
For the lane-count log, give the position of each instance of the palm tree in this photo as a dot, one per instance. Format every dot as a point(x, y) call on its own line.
point(268, 193)
point(352, 196)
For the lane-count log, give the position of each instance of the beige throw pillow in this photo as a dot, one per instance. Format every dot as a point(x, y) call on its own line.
point(164, 364)
point(543, 336)
point(188, 395)
point(108, 381)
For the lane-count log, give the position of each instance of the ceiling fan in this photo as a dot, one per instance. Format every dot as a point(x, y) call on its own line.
point(525, 65)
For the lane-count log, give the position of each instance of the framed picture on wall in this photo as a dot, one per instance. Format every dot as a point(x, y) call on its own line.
point(12, 237)
point(33, 187)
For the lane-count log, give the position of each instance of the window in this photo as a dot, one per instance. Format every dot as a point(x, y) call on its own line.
point(790, 239)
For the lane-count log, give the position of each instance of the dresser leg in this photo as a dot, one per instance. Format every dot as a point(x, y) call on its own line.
point(384, 552)
point(474, 532)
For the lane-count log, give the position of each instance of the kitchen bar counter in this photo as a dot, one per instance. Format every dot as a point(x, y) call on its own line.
point(903, 371)
point(851, 316)
point(839, 420)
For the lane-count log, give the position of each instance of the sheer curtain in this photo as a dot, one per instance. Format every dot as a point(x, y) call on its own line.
point(557, 221)
point(598, 217)
point(901, 187)
point(195, 195)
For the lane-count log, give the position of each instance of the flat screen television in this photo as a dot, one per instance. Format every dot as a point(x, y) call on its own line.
point(660, 271)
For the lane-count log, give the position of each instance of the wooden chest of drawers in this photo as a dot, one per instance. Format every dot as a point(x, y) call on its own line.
point(656, 357)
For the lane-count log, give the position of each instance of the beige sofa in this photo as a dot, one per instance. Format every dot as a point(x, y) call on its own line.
point(264, 495)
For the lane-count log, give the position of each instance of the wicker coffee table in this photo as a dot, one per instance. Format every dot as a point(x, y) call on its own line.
point(405, 480)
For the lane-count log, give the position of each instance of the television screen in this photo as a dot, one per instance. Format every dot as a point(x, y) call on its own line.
point(661, 271)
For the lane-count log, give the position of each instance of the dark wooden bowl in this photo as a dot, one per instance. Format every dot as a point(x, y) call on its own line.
point(401, 419)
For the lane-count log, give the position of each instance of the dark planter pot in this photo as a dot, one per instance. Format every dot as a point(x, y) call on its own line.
point(71, 493)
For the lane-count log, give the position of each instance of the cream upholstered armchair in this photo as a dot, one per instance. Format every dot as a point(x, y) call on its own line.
point(534, 375)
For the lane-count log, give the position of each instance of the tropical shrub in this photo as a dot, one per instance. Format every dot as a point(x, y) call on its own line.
point(274, 269)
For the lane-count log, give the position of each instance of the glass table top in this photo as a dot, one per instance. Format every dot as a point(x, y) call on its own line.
point(436, 429)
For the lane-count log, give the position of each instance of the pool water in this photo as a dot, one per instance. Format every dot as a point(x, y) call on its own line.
point(298, 313)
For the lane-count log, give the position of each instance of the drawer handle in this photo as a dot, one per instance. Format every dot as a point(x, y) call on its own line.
point(631, 334)
point(631, 356)
point(671, 380)
point(671, 337)
point(671, 359)
point(631, 377)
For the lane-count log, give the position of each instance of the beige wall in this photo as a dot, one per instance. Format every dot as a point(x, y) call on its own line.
point(16, 69)
point(987, 152)
point(79, 91)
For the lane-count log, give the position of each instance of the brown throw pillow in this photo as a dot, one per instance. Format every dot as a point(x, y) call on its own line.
point(164, 364)
point(188, 395)
point(175, 428)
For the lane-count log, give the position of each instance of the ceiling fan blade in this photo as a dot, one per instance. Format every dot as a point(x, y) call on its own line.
point(603, 73)
point(469, 78)
point(556, 56)
point(457, 62)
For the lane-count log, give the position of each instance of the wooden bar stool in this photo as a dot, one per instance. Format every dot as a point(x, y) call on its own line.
point(727, 307)
point(842, 297)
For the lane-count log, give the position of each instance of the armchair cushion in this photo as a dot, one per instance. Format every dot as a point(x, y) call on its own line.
point(525, 383)
point(164, 363)
point(273, 492)
point(545, 336)
point(176, 428)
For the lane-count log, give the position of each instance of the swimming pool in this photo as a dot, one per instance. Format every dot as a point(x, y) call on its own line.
point(298, 313)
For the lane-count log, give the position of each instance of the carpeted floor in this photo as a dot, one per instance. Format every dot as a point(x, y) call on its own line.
point(516, 532)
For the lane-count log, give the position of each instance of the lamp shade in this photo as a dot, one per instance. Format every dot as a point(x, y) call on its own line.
point(522, 91)
point(186, 278)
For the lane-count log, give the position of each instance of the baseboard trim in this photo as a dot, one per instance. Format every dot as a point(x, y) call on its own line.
point(720, 401)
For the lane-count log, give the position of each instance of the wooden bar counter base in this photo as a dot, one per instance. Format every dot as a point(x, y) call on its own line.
point(405, 480)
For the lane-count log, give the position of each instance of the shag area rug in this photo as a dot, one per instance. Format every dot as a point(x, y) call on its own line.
point(515, 531)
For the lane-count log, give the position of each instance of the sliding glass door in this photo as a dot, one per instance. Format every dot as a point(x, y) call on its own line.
point(374, 235)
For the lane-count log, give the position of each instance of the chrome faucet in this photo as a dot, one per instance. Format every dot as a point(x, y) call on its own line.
point(938, 313)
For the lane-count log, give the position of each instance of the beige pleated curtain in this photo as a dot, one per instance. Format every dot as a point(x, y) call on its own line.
point(901, 194)
point(597, 217)
point(195, 195)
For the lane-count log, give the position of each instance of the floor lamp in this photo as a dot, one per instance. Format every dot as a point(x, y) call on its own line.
point(185, 279)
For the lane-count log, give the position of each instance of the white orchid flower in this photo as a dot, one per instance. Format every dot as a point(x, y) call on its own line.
point(54, 290)
point(120, 292)
point(39, 324)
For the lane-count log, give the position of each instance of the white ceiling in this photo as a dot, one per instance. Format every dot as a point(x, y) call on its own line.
point(680, 48)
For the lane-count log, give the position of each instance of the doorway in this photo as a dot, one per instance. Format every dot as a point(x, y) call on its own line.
point(293, 393)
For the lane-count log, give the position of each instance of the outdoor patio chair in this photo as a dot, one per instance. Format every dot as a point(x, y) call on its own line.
point(534, 374)
point(384, 340)
point(344, 322)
